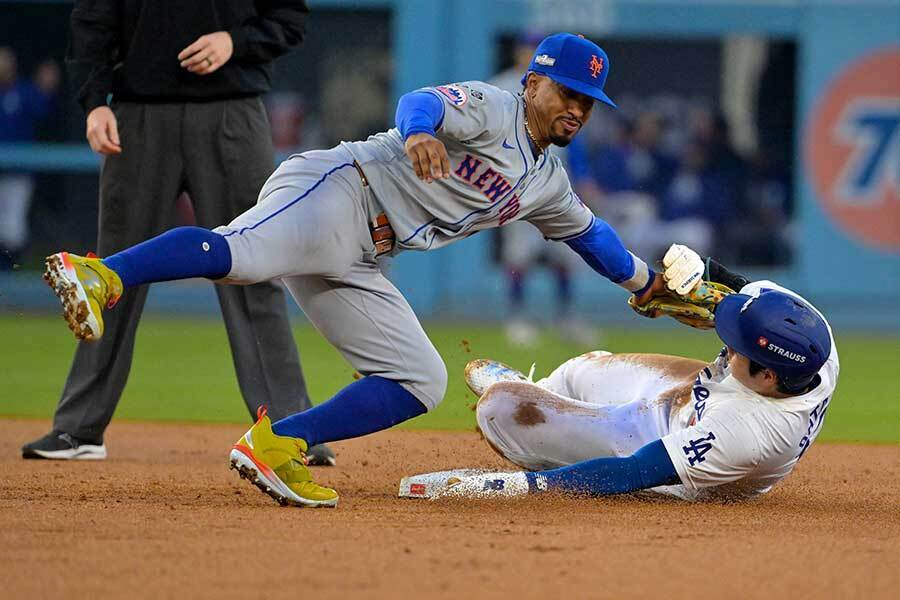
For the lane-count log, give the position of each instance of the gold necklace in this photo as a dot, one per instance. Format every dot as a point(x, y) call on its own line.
point(528, 131)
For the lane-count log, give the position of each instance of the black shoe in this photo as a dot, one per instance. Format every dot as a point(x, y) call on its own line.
point(320, 456)
point(62, 446)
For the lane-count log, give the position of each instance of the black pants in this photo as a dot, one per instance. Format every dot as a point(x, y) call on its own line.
point(221, 154)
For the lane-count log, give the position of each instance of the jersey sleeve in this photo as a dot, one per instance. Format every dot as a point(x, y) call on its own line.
point(564, 219)
point(713, 452)
point(473, 110)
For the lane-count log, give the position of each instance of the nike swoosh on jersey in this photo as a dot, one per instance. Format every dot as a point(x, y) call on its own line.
point(505, 145)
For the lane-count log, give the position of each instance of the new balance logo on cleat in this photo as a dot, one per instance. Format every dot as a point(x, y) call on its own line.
point(493, 484)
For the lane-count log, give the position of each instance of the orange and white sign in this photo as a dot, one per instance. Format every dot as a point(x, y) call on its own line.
point(852, 149)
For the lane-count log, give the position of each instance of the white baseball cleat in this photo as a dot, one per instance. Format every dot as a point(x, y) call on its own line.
point(482, 373)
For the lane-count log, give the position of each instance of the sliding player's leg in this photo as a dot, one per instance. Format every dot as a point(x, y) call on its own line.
point(598, 404)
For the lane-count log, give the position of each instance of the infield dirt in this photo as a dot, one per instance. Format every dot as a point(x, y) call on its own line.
point(164, 517)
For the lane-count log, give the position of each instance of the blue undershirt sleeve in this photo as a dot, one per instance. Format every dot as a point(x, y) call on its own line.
point(419, 112)
point(601, 248)
point(647, 468)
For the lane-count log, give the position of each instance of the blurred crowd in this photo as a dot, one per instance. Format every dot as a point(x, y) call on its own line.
point(661, 169)
point(24, 103)
point(664, 170)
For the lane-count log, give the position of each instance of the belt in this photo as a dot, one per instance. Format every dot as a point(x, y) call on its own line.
point(379, 227)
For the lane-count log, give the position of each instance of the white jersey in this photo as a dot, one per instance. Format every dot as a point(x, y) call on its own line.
point(730, 442)
point(726, 441)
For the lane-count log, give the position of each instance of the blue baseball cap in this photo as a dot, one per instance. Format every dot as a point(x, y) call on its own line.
point(778, 331)
point(575, 62)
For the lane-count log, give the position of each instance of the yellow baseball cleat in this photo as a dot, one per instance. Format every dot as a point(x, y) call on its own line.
point(277, 465)
point(85, 286)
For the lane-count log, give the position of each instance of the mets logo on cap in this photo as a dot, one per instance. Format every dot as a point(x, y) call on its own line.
point(596, 65)
point(852, 149)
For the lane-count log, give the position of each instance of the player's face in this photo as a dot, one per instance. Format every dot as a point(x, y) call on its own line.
point(764, 382)
point(562, 111)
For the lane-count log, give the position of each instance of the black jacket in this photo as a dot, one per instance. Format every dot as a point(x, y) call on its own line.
point(129, 48)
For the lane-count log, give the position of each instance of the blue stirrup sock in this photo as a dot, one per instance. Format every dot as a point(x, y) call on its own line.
point(179, 253)
point(371, 404)
point(648, 467)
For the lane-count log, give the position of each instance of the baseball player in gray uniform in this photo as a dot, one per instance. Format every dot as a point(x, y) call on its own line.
point(463, 157)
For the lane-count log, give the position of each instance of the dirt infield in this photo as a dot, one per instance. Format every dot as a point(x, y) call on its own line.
point(165, 518)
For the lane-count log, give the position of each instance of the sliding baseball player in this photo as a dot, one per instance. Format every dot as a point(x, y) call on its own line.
point(604, 423)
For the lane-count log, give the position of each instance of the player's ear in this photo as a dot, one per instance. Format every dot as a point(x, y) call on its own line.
point(531, 81)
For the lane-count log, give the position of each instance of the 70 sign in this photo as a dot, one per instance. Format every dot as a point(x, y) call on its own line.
point(872, 126)
point(852, 150)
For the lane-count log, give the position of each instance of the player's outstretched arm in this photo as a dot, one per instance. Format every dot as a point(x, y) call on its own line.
point(647, 468)
point(690, 289)
point(419, 114)
point(600, 247)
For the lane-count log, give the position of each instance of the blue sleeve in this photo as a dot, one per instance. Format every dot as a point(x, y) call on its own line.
point(601, 248)
point(419, 112)
point(647, 468)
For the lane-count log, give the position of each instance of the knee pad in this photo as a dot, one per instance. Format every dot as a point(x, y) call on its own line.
point(505, 412)
point(510, 401)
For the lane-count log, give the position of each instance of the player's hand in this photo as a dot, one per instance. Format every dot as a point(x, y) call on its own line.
point(429, 157)
point(657, 288)
point(683, 269)
point(208, 53)
point(103, 131)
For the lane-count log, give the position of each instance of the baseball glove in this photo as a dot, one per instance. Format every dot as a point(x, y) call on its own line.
point(696, 308)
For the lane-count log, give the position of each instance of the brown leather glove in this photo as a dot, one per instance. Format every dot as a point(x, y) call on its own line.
point(696, 308)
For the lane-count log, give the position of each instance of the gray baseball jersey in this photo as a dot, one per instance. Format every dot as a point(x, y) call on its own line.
point(310, 226)
point(495, 177)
